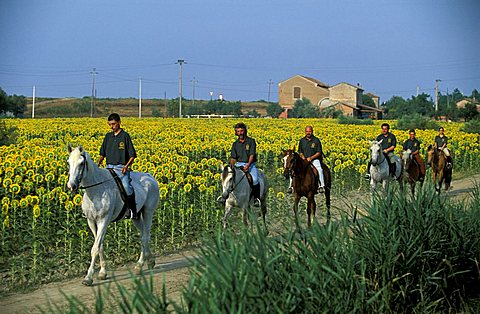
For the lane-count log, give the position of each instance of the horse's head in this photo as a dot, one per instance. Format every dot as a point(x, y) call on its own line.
point(289, 160)
point(228, 180)
point(430, 154)
point(77, 162)
point(406, 158)
point(376, 152)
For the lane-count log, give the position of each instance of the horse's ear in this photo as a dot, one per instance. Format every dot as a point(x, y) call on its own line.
point(69, 148)
point(379, 142)
point(294, 148)
point(80, 148)
point(429, 147)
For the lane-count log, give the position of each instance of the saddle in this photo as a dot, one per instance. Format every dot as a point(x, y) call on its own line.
point(123, 194)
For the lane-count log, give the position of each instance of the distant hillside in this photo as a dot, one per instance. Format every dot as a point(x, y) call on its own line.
point(126, 107)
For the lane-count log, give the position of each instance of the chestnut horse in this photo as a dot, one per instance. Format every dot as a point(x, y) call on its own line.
point(305, 182)
point(438, 162)
point(411, 170)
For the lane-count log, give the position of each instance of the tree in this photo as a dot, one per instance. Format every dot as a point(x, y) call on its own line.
point(17, 105)
point(368, 101)
point(3, 101)
point(396, 107)
point(303, 108)
point(274, 110)
point(475, 95)
point(469, 112)
point(422, 104)
point(253, 113)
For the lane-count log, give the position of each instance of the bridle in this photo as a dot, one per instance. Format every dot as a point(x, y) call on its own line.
point(232, 184)
point(290, 168)
point(82, 171)
point(381, 156)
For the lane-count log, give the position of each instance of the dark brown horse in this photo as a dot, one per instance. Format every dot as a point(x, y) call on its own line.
point(441, 173)
point(411, 170)
point(305, 183)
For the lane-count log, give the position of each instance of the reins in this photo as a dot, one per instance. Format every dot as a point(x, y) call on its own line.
point(81, 176)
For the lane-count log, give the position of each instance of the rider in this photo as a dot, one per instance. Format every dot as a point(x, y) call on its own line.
point(244, 154)
point(441, 142)
point(389, 141)
point(414, 145)
point(310, 149)
point(117, 148)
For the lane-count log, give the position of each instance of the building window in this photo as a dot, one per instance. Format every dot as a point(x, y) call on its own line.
point(297, 92)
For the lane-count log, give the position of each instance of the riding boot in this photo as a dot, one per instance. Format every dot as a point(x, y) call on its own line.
point(367, 175)
point(256, 195)
point(393, 168)
point(132, 205)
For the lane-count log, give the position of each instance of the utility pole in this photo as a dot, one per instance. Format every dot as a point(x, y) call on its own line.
point(33, 102)
point(180, 62)
point(93, 72)
point(418, 90)
point(436, 94)
point(193, 92)
point(269, 86)
point(140, 97)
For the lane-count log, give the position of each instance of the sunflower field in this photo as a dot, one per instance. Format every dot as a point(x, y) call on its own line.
point(45, 237)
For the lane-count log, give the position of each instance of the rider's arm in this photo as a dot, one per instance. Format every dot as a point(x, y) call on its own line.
point(314, 156)
point(127, 165)
point(100, 160)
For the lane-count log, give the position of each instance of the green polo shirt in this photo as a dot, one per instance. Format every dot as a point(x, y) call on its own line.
point(118, 149)
point(413, 146)
point(242, 151)
point(441, 140)
point(389, 140)
point(310, 147)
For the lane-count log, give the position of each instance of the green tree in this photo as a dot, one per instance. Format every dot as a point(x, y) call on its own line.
point(274, 109)
point(469, 112)
point(253, 113)
point(173, 107)
point(396, 107)
point(303, 108)
point(368, 101)
point(3, 101)
point(422, 104)
point(475, 95)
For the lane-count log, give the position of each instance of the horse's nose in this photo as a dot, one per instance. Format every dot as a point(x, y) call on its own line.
point(72, 186)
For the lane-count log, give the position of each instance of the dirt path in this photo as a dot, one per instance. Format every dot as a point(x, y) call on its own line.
point(173, 269)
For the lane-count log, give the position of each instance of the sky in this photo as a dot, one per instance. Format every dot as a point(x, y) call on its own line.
point(241, 49)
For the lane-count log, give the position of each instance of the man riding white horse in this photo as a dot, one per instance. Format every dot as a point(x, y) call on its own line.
point(388, 143)
point(244, 155)
point(118, 149)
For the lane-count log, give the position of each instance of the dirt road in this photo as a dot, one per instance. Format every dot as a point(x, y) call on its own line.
point(173, 269)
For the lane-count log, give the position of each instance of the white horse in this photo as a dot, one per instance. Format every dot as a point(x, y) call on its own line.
point(379, 170)
point(102, 203)
point(237, 192)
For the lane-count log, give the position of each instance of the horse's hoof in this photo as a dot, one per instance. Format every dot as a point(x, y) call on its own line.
point(87, 282)
point(151, 265)
point(102, 276)
point(138, 270)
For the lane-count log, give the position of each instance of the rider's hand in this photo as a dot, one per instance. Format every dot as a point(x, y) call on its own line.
point(385, 151)
point(245, 168)
point(124, 169)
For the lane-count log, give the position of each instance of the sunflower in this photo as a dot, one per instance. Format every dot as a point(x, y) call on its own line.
point(15, 188)
point(69, 205)
point(7, 182)
point(6, 222)
point(280, 195)
point(36, 211)
point(187, 187)
point(63, 197)
point(77, 199)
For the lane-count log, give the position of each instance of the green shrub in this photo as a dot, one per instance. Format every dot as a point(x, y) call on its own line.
point(472, 126)
point(8, 134)
point(352, 120)
point(416, 121)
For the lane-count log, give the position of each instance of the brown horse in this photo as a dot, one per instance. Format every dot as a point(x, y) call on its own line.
point(305, 183)
point(411, 170)
point(438, 162)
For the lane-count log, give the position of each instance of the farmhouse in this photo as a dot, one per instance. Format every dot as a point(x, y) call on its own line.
point(343, 96)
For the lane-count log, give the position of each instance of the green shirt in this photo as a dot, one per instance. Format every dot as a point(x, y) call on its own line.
point(310, 147)
point(441, 140)
point(242, 151)
point(388, 141)
point(118, 149)
point(413, 146)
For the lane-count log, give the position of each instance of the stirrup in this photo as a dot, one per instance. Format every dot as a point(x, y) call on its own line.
point(257, 202)
point(449, 165)
point(290, 190)
point(221, 200)
point(321, 189)
point(128, 214)
point(367, 176)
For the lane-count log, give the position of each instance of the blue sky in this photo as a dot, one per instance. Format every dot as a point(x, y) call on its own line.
point(235, 48)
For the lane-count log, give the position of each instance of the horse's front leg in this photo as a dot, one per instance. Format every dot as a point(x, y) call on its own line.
point(98, 230)
point(295, 211)
point(228, 209)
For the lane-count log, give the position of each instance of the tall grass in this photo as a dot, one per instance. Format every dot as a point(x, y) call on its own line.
point(406, 256)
